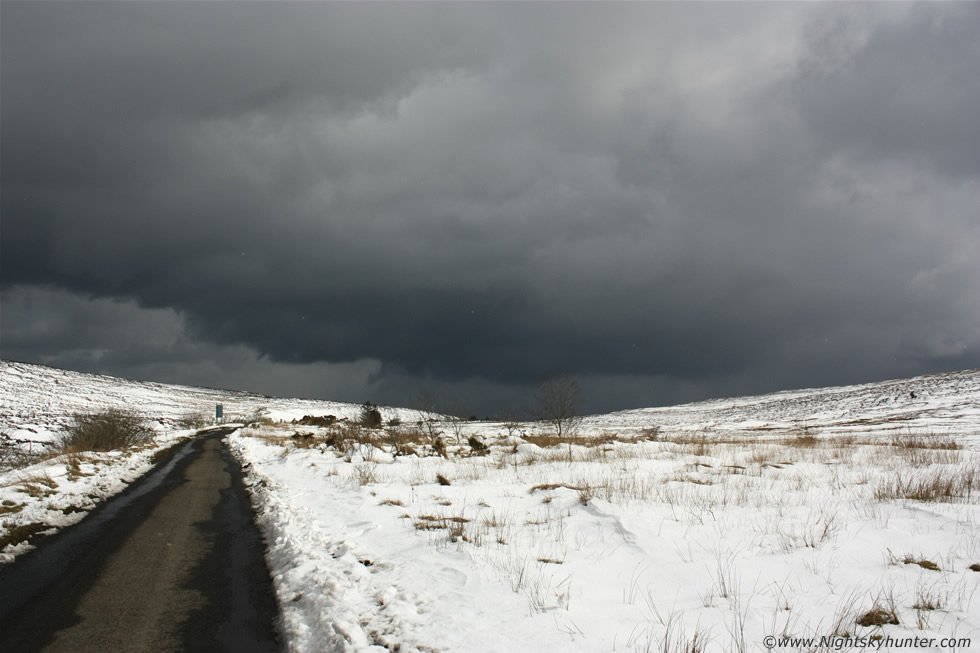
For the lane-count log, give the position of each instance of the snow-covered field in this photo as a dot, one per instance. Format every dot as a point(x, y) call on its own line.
point(709, 526)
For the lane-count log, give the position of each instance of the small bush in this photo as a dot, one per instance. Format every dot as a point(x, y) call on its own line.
point(370, 416)
point(317, 420)
point(479, 449)
point(113, 428)
point(195, 420)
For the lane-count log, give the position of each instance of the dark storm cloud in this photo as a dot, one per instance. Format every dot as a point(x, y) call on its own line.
point(720, 198)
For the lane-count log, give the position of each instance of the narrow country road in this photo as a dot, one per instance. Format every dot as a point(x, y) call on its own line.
point(174, 563)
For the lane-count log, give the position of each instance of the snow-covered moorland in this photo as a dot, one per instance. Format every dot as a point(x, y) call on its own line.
point(848, 514)
point(830, 513)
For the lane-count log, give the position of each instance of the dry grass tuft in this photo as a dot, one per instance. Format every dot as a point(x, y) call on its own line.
point(925, 564)
point(931, 486)
point(878, 616)
point(802, 441)
point(9, 507)
point(22, 533)
point(37, 486)
point(548, 440)
point(925, 442)
point(554, 486)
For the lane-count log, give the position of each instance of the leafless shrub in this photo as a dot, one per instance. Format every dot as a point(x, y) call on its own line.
point(366, 474)
point(195, 420)
point(15, 453)
point(428, 416)
point(113, 428)
point(454, 417)
point(344, 436)
point(559, 402)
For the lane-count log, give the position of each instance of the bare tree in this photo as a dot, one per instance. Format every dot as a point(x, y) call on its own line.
point(454, 417)
point(428, 406)
point(559, 401)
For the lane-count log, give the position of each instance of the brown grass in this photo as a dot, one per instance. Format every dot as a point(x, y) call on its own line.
point(549, 440)
point(801, 441)
point(9, 507)
point(455, 526)
point(22, 533)
point(554, 486)
point(108, 430)
point(925, 564)
point(878, 616)
point(935, 486)
point(73, 463)
point(925, 442)
point(37, 486)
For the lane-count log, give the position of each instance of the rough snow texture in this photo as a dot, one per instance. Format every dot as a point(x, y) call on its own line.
point(723, 522)
point(744, 518)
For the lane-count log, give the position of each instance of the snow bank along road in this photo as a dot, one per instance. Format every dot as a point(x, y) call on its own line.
point(175, 563)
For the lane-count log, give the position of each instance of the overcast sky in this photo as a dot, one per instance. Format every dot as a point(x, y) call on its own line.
point(363, 201)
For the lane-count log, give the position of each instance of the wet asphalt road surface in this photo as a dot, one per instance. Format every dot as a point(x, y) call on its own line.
point(174, 563)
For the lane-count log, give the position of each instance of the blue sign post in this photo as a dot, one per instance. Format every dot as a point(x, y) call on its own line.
point(218, 410)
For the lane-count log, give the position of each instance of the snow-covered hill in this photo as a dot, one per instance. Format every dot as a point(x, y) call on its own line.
point(731, 530)
point(941, 404)
point(37, 402)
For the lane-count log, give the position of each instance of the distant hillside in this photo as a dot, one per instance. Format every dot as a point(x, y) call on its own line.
point(37, 399)
point(940, 404)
